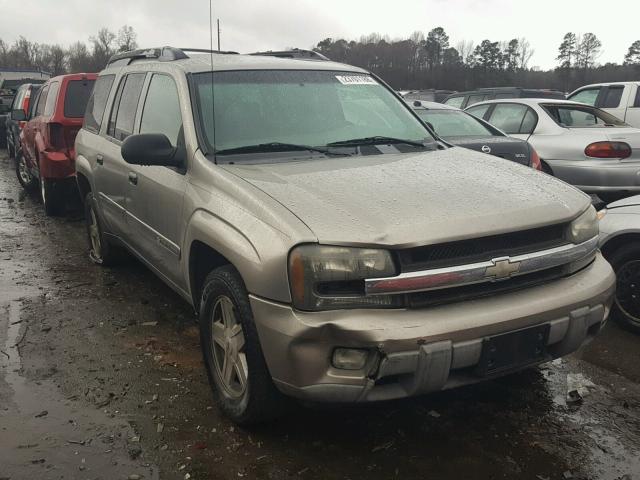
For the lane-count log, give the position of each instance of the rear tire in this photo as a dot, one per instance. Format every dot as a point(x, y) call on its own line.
point(232, 353)
point(626, 306)
point(101, 251)
point(53, 197)
point(26, 179)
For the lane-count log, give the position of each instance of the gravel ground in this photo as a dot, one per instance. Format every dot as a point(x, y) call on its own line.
point(101, 377)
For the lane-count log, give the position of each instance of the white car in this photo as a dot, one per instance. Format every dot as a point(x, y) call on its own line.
point(620, 245)
point(620, 99)
point(577, 143)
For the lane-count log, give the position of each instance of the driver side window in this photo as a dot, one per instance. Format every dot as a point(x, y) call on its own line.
point(161, 113)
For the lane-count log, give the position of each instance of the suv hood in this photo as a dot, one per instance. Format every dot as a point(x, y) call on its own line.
point(403, 200)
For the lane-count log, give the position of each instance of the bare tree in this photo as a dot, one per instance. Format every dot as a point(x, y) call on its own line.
point(525, 53)
point(126, 39)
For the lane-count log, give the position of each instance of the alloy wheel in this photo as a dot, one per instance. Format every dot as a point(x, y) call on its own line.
point(227, 347)
point(628, 290)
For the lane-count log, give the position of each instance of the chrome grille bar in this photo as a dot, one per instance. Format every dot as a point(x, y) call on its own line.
point(496, 269)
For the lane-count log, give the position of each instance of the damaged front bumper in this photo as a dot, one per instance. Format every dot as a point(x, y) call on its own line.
point(412, 352)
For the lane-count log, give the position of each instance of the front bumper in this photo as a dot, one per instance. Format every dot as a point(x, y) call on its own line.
point(420, 351)
point(593, 176)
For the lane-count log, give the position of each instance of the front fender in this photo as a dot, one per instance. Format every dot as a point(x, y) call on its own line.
point(258, 251)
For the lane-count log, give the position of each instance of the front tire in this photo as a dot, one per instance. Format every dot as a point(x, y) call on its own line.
point(231, 348)
point(626, 306)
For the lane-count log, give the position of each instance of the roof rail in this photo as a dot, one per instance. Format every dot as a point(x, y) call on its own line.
point(294, 53)
point(162, 54)
point(204, 50)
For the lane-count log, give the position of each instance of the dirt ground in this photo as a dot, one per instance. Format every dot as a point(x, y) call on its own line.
point(101, 377)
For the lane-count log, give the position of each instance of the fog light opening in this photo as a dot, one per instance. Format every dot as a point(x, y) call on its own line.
point(349, 358)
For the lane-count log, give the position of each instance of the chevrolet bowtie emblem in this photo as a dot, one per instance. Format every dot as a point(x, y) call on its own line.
point(502, 268)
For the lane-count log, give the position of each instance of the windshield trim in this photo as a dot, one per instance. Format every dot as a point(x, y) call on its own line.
point(209, 150)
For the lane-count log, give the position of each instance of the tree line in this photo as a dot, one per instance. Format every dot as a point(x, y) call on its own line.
point(78, 57)
point(418, 62)
point(422, 62)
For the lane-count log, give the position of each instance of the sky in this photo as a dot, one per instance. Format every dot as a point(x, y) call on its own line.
point(248, 26)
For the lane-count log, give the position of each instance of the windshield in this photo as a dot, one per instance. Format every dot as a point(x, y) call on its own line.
point(576, 116)
point(452, 123)
point(304, 108)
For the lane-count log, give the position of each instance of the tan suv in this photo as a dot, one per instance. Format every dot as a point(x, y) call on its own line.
point(333, 248)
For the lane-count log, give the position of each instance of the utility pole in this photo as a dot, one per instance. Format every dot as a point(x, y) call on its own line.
point(218, 34)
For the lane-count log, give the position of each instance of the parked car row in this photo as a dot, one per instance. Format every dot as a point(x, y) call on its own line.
point(329, 236)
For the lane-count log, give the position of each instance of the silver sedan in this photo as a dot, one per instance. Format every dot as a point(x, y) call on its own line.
point(577, 143)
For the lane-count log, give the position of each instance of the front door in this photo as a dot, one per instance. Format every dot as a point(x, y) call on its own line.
point(156, 193)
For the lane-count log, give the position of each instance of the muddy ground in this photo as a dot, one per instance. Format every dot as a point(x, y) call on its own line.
point(101, 377)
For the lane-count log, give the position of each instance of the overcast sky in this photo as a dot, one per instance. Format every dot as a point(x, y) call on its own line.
point(274, 24)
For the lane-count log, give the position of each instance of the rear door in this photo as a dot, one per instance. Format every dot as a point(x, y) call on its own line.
point(111, 170)
point(156, 193)
point(29, 132)
point(632, 116)
point(515, 119)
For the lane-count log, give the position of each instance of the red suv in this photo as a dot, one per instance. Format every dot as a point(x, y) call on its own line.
point(47, 154)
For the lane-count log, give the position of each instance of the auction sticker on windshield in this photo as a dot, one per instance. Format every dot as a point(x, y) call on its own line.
point(356, 80)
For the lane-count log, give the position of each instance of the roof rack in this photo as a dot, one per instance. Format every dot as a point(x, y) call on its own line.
point(294, 53)
point(162, 54)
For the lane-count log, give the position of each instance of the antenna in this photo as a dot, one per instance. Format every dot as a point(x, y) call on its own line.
point(213, 115)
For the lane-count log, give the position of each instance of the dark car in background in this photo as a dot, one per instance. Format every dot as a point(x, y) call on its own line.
point(22, 103)
point(429, 95)
point(47, 156)
point(463, 100)
point(10, 81)
point(464, 130)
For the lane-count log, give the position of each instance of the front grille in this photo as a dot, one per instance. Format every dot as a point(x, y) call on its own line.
point(481, 249)
point(479, 290)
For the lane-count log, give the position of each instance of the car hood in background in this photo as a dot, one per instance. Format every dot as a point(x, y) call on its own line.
point(508, 148)
point(626, 202)
point(403, 200)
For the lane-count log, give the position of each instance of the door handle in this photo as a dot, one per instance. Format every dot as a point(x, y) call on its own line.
point(133, 178)
point(100, 159)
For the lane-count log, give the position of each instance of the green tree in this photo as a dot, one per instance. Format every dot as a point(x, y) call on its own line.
point(511, 55)
point(435, 45)
point(633, 55)
point(567, 50)
point(488, 55)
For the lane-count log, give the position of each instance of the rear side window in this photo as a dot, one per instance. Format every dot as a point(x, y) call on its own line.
point(455, 102)
point(478, 111)
point(125, 106)
point(161, 112)
point(508, 117)
point(76, 98)
point(52, 97)
point(613, 97)
point(41, 101)
point(588, 96)
point(97, 103)
point(529, 123)
point(475, 99)
point(637, 102)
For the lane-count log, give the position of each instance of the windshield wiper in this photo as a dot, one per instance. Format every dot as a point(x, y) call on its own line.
point(377, 140)
point(274, 147)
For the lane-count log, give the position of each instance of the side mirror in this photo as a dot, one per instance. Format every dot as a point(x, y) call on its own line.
point(18, 115)
point(149, 149)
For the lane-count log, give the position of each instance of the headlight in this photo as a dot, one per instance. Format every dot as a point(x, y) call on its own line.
point(326, 277)
point(585, 227)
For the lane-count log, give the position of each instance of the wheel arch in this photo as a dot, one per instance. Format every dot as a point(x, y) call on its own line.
point(202, 259)
point(614, 244)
